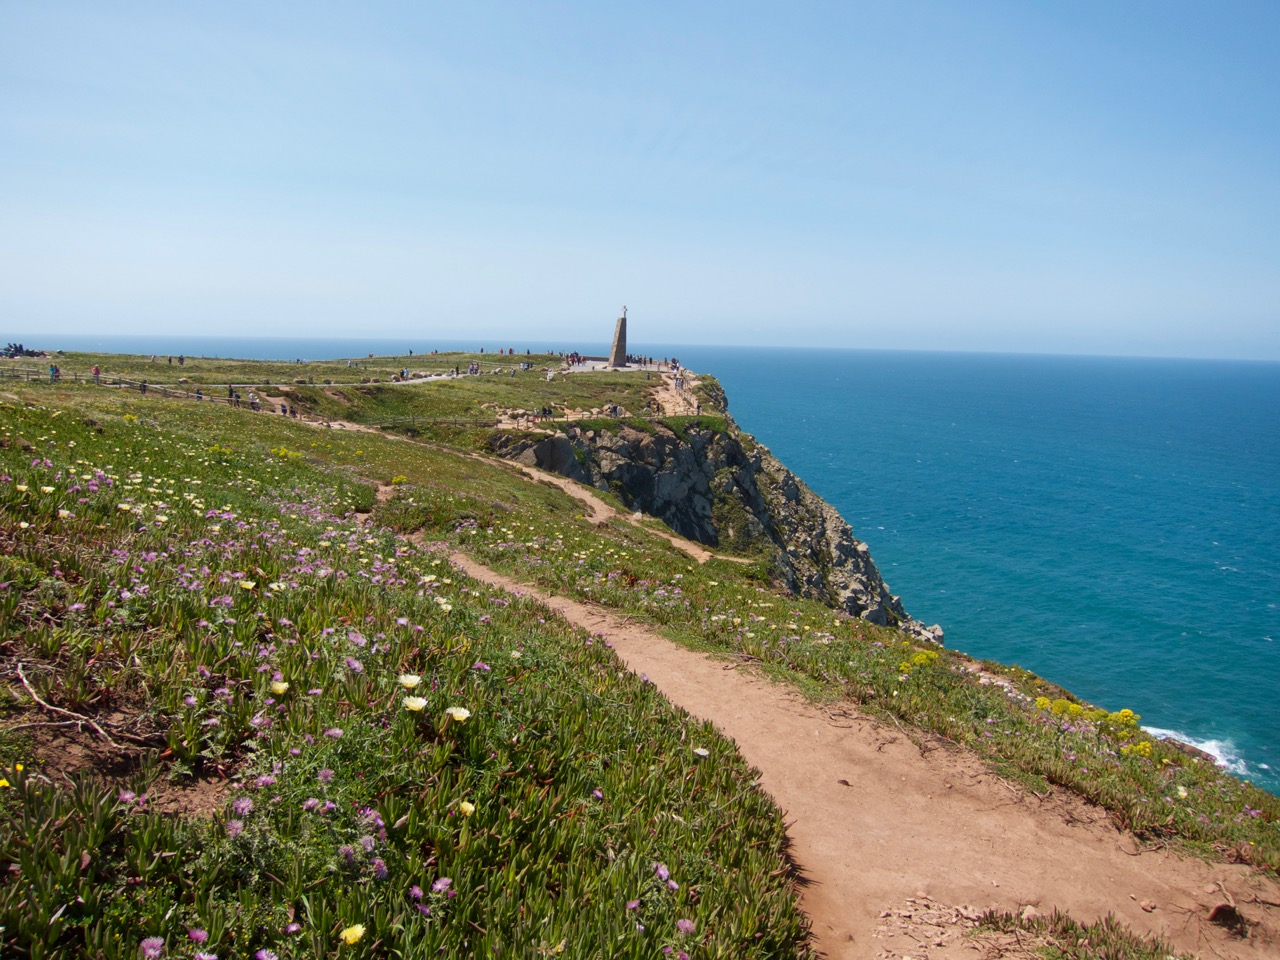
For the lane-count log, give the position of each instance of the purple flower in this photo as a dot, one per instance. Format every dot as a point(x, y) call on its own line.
point(633, 904)
point(293, 928)
point(379, 868)
point(197, 936)
point(265, 954)
point(597, 794)
point(152, 947)
point(661, 870)
point(310, 803)
point(441, 885)
point(205, 955)
point(354, 665)
point(684, 926)
point(127, 796)
point(242, 807)
point(415, 892)
point(335, 733)
point(481, 666)
point(347, 852)
point(355, 638)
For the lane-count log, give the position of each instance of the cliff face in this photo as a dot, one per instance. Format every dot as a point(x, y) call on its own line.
point(722, 489)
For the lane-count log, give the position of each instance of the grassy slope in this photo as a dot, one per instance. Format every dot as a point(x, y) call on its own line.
point(278, 472)
point(166, 564)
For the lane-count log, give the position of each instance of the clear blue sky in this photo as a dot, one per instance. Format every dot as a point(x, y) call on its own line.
point(1083, 177)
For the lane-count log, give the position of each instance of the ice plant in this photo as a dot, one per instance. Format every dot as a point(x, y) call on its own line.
point(414, 704)
point(352, 934)
point(408, 680)
point(458, 713)
point(467, 808)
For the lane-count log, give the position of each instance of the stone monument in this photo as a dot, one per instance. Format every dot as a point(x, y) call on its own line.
point(618, 355)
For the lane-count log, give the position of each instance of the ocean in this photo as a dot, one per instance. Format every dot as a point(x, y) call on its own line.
point(1108, 523)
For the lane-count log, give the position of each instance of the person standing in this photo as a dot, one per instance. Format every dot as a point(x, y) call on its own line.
point(97, 375)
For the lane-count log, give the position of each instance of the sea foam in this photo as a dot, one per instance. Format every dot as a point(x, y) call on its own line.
point(1224, 752)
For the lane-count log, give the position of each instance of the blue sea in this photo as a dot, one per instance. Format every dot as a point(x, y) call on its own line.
point(1111, 524)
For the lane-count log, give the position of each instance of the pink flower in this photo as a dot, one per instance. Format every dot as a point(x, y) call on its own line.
point(152, 947)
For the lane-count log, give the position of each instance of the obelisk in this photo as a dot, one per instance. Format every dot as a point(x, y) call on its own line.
point(618, 355)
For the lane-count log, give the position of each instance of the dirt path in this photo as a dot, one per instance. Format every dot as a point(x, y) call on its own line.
point(901, 847)
point(601, 512)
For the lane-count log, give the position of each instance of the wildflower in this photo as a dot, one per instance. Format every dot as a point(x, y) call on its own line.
point(265, 954)
point(334, 733)
point(1182, 792)
point(310, 804)
point(379, 868)
point(197, 936)
point(467, 808)
point(279, 687)
point(409, 680)
point(325, 775)
point(20, 487)
point(64, 514)
point(235, 828)
point(152, 947)
point(661, 870)
point(293, 928)
point(414, 703)
point(685, 926)
point(415, 892)
point(352, 934)
point(46, 489)
point(205, 955)
point(243, 807)
point(481, 666)
point(441, 885)
point(458, 713)
point(633, 904)
point(247, 584)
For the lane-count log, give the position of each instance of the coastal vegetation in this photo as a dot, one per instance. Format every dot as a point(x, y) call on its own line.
point(249, 707)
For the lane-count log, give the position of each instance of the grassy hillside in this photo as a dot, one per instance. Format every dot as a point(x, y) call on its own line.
point(224, 624)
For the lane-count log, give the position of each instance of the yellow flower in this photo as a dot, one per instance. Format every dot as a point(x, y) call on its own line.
point(64, 514)
point(46, 489)
point(23, 524)
point(458, 713)
point(467, 808)
point(3, 782)
point(1182, 792)
point(21, 487)
point(414, 703)
point(279, 687)
point(247, 584)
point(409, 680)
point(352, 934)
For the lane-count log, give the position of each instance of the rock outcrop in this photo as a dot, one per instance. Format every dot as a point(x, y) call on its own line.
point(723, 489)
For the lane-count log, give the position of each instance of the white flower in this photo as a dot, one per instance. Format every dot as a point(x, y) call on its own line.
point(458, 713)
point(415, 704)
point(409, 680)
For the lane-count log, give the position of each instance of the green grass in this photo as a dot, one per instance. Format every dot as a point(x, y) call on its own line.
point(241, 557)
point(177, 568)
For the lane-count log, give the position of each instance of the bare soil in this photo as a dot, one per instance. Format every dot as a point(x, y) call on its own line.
point(903, 844)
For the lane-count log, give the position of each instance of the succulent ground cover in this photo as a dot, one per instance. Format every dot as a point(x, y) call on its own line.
point(236, 595)
point(415, 766)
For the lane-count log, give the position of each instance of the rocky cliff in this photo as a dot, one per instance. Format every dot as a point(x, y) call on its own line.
point(722, 489)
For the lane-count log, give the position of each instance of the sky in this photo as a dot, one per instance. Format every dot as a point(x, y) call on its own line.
point(1084, 177)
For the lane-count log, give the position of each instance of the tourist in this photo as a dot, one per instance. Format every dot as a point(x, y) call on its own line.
point(97, 374)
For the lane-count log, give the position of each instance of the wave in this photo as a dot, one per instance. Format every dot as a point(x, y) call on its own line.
point(1224, 752)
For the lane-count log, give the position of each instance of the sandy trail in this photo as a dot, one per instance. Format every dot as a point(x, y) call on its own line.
point(898, 843)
